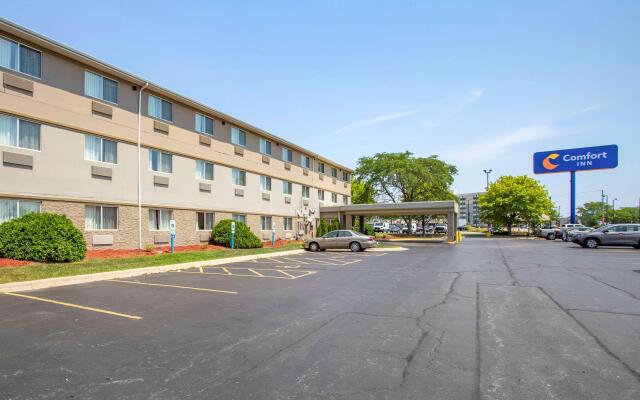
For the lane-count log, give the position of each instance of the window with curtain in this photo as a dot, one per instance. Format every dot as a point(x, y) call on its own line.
point(239, 218)
point(205, 221)
point(321, 168)
point(159, 108)
point(305, 191)
point(305, 161)
point(239, 177)
point(265, 222)
point(287, 223)
point(204, 170)
point(100, 87)
point(345, 176)
point(160, 162)
point(238, 137)
point(159, 219)
point(18, 57)
point(19, 133)
point(265, 183)
point(320, 194)
point(99, 149)
point(287, 154)
point(334, 198)
point(11, 209)
point(204, 124)
point(334, 172)
point(98, 218)
point(287, 187)
point(265, 146)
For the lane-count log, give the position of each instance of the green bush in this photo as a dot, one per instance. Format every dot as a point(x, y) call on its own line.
point(42, 237)
point(323, 228)
point(244, 238)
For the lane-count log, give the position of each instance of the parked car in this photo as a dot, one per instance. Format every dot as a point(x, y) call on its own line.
point(548, 233)
point(610, 235)
point(440, 228)
point(342, 239)
point(380, 226)
point(394, 229)
point(570, 233)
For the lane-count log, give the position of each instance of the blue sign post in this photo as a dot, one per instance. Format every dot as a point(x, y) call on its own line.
point(233, 234)
point(572, 160)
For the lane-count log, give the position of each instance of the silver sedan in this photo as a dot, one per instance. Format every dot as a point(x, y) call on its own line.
point(342, 239)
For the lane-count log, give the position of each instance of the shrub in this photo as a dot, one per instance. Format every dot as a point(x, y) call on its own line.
point(323, 228)
point(244, 238)
point(42, 237)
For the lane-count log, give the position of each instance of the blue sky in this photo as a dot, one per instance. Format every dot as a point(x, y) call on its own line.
point(482, 85)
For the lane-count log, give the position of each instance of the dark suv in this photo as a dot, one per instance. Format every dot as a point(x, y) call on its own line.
point(610, 235)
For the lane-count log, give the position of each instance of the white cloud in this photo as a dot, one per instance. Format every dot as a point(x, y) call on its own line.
point(586, 109)
point(473, 95)
point(375, 120)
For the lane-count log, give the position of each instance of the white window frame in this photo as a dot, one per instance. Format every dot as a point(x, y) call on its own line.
point(205, 163)
point(320, 198)
point(205, 124)
point(18, 207)
point(241, 132)
point(102, 150)
point(39, 149)
point(158, 212)
point(101, 229)
point(161, 153)
point(302, 191)
point(265, 181)
point(323, 166)
point(213, 220)
point(263, 219)
point(18, 59)
point(239, 217)
point(241, 171)
point(303, 164)
point(334, 172)
point(264, 142)
point(285, 159)
point(161, 100)
point(102, 78)
point(284, 223)
point(346, 176)
point(289, 185)
point(334, 198)
point(345, 199)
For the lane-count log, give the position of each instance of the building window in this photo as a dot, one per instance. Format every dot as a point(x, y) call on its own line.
point(239, 177)
point(204, 170)
point(99, 149)
point(334, 198)
point(204, 124)
point(287, 187)
point(205, 221)
point(239, 218)
point(305, 192)
point(160, 162)
point(265, 183)
point(321, 168)
point(345, 199)
point(320, 194)
point(305, 162)
point(238, 137)
point(334, 172)
point(288, 223)
point(159, 219)
point(287, 155)
point(18, 57)
point(17, 132)
point(265, 223)
point(99, 218)
point(99, 87)
point(10, 209)
point(265, 146)
point(346, 177)
point(159, 108)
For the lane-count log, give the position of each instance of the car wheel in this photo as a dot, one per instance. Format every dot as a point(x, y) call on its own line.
point(314, 246)
point(551, 236)
point(354, 246)
point(591, 243)
point(636, 246)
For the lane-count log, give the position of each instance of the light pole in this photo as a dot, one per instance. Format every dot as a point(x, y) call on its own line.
point(613, 210)
point(606, 207)
point(487, 171)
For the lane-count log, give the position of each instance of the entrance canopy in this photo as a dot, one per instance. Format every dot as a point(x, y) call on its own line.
point(345, 212)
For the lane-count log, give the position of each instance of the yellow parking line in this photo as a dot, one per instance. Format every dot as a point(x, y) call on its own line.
point(174, 286)
point(98, 310)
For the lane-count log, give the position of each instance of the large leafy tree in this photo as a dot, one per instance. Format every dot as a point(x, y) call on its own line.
point(401, 177)
point(591, 213)
point(362, 192)
point(515, 199)
point(625, 215)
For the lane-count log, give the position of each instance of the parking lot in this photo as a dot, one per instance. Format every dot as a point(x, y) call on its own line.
point(489, 318)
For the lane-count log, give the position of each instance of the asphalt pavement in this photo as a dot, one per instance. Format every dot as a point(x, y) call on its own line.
point(486, 319)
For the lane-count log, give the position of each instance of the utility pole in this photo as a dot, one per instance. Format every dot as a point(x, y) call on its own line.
point(602, 202)
point(606, 207)
point(487, 171)
point(613, 217)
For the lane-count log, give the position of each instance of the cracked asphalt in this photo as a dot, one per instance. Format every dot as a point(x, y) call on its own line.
point(486, 319)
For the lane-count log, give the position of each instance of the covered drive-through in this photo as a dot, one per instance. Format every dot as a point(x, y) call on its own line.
point(347, 213)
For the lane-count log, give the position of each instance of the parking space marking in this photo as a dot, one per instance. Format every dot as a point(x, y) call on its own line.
point(174, 286)
point(62, 303)
point(273, 273)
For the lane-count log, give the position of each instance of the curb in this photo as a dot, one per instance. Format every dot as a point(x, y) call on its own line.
point(128, 273)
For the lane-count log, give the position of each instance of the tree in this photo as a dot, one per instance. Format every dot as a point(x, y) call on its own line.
point(362, 192)
point(624, 215)
point(515, 199)
point(591, 213)
point(401, 177)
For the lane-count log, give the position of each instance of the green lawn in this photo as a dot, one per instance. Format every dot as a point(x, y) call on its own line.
point(41, 271)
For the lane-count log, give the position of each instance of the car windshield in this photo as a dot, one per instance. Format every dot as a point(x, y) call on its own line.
point(603, 228)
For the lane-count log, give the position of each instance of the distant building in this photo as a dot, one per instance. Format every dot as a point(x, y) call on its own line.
point(469, 209)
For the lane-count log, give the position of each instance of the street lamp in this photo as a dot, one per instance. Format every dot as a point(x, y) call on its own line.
point(613, 209)
point(487, 171)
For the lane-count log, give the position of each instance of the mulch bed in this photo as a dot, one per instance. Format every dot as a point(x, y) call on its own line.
point(8, 262)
